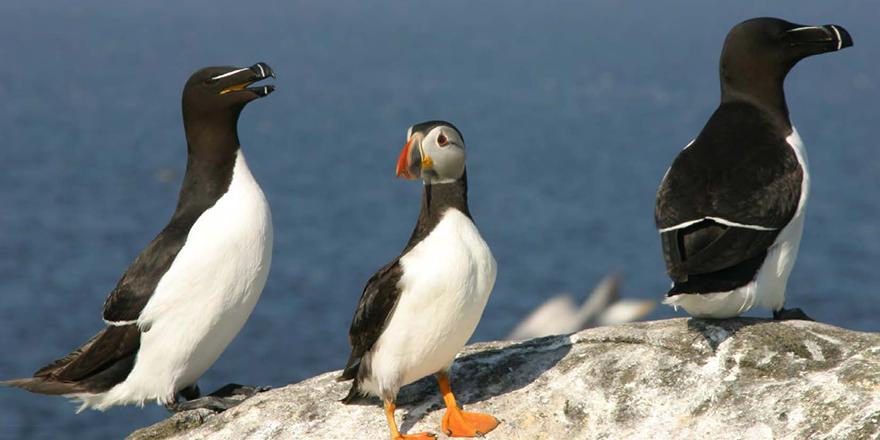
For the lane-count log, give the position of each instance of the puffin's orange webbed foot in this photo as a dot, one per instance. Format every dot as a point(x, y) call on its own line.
point(457, 423)
point(395, 434)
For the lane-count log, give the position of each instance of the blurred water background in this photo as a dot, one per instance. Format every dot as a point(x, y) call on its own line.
point(572, 111)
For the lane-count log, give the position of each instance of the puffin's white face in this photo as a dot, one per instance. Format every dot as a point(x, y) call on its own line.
point(434, 152)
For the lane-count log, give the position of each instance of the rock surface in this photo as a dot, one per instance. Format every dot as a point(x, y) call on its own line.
point(679, 378)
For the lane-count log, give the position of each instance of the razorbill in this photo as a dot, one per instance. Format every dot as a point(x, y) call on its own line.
point(730, 209)
point(420, 309)
point(188, 293)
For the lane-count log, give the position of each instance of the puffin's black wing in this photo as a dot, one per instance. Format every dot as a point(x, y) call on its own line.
point(134, 289)
point(728, 195)
point(375, 307)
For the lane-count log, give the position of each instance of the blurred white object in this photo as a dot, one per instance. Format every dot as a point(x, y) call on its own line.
point(560, 315)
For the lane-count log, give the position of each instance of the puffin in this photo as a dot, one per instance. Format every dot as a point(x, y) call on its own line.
point(189, 292)
point(419, 310)
point(730, 210)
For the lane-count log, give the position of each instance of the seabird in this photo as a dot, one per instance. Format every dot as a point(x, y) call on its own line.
point(188, 293)
point(420, 309)
point(730, 209)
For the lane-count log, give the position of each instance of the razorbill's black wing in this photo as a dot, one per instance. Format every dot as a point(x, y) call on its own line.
point(726, 197)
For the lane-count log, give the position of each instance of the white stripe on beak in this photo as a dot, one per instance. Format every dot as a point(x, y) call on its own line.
point(231, 73)
point(802, 28)
point(839, 40)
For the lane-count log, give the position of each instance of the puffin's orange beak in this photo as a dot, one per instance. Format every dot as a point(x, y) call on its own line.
point(407, 167)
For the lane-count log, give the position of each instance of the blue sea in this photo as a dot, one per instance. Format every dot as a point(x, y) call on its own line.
point(572, 111)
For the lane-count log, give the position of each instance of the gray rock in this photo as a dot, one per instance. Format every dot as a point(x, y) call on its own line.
point(679, 378)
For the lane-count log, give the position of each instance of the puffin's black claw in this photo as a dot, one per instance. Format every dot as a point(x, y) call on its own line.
point(788, 314)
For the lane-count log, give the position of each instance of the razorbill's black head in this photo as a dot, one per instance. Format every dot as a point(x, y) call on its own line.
point(759, 53)
point(212, 101)
point(224, 89)
point(434, 151)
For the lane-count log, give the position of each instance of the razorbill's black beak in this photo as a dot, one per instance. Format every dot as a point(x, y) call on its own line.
point(819, 39)
point(241, 79)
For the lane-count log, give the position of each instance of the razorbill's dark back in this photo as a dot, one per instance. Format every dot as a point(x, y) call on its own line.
point(188, 293)
point(730, 209)
point(420, 309)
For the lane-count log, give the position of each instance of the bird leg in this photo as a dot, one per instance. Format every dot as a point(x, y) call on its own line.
point(395, 434)
point(191, 392)
point(786, 314)
point(458, 423)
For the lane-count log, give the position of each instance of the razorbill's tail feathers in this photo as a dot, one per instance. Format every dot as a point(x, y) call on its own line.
point(188, 293)
point(92, 368)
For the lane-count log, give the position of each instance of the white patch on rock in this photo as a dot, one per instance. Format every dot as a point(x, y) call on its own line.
point(767, 358)
point(815, 351)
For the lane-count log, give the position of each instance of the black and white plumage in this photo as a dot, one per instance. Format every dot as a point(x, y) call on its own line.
point(188, 293)
point(730, 209)
point(419, 310)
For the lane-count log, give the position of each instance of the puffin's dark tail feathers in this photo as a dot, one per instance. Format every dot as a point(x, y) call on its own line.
point(351, 370)
point(354, 394)
point(43, 386)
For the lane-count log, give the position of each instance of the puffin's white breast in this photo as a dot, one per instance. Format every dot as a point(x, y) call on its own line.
point(447, 279)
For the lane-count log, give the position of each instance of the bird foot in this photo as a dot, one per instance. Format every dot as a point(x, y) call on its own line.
point(216, 404)
point(234, 389)
point(787, 314)
point(457, 423)
point(224, 398)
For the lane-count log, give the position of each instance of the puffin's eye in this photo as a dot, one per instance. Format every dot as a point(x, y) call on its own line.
point(442, 140)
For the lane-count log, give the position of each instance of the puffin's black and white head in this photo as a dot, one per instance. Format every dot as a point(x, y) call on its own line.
point(434, 151)
point(763, 50)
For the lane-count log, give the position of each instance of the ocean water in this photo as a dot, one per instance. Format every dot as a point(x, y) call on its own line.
point(572, 111)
